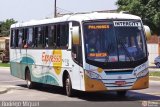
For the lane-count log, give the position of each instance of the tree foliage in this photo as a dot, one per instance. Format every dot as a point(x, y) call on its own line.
point(5, 27)
point(148, 10)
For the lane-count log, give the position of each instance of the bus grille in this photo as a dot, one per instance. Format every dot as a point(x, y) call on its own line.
point(115, 77)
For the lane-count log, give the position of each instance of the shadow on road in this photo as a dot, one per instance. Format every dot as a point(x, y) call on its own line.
point(97, 96)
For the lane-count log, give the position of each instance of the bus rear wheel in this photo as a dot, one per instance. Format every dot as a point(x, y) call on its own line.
point(68, 86)
point(28, 80)
point(121, 93)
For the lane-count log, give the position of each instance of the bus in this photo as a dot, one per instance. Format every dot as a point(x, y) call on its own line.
point(87, 52)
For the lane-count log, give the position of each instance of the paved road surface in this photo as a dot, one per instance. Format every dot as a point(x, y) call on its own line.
point(19, 92)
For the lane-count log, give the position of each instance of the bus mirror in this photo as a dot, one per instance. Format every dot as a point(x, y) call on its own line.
point(147, 32)
point(75, 35)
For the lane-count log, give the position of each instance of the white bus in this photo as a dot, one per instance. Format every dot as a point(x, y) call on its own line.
point(87, 52)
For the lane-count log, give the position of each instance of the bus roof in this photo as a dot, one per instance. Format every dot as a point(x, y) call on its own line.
point(77, 17)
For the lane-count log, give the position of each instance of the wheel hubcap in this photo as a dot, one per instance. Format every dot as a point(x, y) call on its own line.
point(28, 82)
point(67, 86)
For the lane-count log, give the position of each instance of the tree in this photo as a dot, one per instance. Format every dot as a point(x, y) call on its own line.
point(5, 27)
point(148, 10)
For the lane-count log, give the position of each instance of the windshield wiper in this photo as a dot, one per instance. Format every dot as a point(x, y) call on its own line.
point(107, 51)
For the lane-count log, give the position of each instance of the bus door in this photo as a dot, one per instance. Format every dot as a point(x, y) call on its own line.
point(20, 52)
point(77, 69)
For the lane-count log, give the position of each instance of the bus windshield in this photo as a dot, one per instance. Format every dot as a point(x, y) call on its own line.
point(114, 41)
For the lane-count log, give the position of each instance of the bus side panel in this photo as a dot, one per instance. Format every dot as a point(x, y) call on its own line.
point(16, 64)
point(76, 76)
point(13, 64)
point(47, 66)
point(23, 62)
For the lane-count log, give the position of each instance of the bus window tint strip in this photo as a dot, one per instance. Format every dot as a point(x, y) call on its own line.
point(49, 36)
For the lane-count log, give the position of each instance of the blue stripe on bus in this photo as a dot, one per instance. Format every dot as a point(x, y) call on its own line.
point(27, 60)
point(117, 72)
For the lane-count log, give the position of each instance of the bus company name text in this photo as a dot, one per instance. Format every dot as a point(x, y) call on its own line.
point(51, 58)
point(126, 23)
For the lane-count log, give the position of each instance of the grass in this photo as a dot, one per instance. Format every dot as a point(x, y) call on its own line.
point(4, 65)
point(154, 74)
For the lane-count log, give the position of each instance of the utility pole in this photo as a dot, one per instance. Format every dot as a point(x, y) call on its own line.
point(55, 8)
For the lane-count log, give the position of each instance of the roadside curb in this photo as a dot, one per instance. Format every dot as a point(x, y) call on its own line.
point(3, 90)
point(154, 70)
point(6, 88)
point(4, 67)
point(154, 78)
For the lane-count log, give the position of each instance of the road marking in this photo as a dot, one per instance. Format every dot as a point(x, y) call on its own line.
point(154, 81)
point(5, 68)
point(13, 81)
point(153, 93)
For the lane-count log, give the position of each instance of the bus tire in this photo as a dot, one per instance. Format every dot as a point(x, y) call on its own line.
point(28, 80)
point(121, 93)
point(158, 65)
point(68, 86)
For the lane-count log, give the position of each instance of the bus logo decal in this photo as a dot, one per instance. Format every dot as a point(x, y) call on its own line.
point(56, 58)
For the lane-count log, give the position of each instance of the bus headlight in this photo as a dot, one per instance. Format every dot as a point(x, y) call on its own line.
point(142, 73)
point(93, 75)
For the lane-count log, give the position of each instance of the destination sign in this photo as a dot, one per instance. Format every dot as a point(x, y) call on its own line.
point(97, 54)
point(98, 27)
point(126, 24)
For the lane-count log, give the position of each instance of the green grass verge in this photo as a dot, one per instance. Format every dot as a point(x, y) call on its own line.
point(154, 74)
point(4, 65)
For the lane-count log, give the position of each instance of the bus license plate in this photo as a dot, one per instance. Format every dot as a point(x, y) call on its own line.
point(120, 83)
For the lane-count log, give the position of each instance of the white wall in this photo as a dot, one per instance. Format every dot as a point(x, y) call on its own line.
point(2, 45)
point(153, 52)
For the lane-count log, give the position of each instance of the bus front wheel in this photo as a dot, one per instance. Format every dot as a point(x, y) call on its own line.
point(68, 86)
point(28, 80)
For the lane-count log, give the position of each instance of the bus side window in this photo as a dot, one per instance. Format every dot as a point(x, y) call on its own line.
point(36, 37)
point(13, 34)
point(29, 38)
point(24, 41)
point(40, 37)
point(55, 36)
point(64, 35)
point(61, 35)
point(58, 36)
point(20, 38)
point(45, 36)
point(16, 38)
point(51, 36)
point(35, 34)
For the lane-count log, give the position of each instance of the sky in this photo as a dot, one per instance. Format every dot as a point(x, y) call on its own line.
point(25, 10)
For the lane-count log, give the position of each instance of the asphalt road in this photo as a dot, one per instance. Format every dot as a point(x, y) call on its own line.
point(17, 91)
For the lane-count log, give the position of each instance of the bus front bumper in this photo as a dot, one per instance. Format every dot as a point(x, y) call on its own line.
point(93, 85)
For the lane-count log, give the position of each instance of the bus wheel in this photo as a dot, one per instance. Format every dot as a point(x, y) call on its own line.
point(121, 93)
point(28, 80)
point(68, 86)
